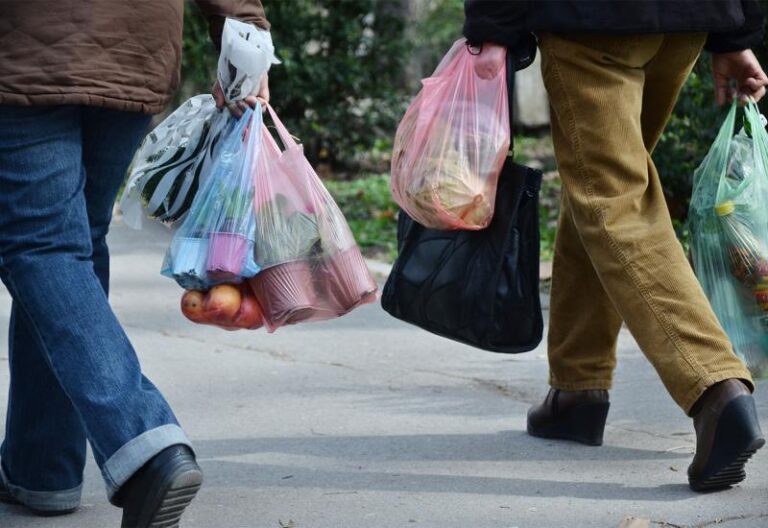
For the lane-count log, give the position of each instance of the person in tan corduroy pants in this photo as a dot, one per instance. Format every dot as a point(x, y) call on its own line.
point(617, 259)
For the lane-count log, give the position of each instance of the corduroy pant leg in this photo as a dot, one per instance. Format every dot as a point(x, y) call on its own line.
point(617, 257)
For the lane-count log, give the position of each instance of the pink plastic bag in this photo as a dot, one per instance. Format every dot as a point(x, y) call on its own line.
point(451, 144)
point(311, 266)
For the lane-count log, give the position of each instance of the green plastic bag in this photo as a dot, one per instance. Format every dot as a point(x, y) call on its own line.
point(728, 221)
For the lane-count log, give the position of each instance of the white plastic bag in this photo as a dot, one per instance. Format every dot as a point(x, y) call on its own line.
point(246, 55)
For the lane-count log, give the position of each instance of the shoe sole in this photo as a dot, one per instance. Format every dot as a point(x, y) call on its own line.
point(585, 424)
point(179, 493)
point(736, 440)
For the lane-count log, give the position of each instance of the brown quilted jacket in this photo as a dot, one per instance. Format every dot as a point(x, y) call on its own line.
point(119, 54)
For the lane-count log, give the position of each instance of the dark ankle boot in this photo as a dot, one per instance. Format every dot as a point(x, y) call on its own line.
point(727, 435)
point(571, 415)
point(157, 494)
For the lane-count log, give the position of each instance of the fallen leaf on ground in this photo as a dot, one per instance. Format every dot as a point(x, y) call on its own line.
point(634, 522)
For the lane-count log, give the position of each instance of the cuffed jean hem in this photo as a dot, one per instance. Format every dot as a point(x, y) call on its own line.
point(43, 501)
point(132, 456)
point(598, 384)
point(688, 400)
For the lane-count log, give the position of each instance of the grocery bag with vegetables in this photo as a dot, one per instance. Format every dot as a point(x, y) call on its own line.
point(729, 232)
point(260, 241)
point(306, 265)
point(311, 266)
point(451, 144)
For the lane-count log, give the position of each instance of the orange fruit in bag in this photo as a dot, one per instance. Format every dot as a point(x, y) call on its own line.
point(250, 316)
point(192, 305)
point(222, 304)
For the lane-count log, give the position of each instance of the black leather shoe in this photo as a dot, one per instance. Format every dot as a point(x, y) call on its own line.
point(158, 493)
point(727, 435)
point(571, 415)
point(6, 497)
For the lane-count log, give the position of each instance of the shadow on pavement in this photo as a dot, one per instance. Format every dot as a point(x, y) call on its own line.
point(340, 463)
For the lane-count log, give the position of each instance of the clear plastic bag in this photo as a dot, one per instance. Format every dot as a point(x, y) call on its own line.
point(729, 233)
point(451, 144)
point(215, 242)
point(311, 266)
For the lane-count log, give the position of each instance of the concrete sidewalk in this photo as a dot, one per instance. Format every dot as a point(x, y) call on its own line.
point(365, 422)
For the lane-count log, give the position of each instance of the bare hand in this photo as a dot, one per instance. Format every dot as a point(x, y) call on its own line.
point(738, 74)
point(238, 107)
point(489, 62)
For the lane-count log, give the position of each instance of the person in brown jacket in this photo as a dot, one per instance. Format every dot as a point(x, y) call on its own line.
point(79, 80)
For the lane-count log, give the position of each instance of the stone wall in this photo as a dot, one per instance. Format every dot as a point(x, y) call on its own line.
point(531, 101)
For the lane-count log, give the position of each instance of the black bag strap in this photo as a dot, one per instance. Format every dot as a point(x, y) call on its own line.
point(511, 63)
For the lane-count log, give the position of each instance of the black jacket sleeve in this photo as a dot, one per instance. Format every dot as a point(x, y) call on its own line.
point(502, 22)
point(747, 36)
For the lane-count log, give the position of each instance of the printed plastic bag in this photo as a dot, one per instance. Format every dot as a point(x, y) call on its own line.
point(246, 55)
point(729, 233)
point(311, 267)
point(214, 244)
point(451, 144)
point(174, 159)
point(166, 169)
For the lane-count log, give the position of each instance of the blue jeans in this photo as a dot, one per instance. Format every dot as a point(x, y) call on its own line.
point(74, 374)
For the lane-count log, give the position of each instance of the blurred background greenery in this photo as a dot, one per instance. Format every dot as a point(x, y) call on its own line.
point(349, 68)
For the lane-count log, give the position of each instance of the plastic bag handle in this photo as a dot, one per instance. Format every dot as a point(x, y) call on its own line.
point(752, 113)
point(759, 140)
point(285, 136)
point(759, 133)
point(729, 126)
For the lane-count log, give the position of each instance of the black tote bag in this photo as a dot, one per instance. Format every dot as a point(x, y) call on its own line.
point(480, 288)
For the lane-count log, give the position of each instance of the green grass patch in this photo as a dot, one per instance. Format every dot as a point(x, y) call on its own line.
point(549, 210)
point(372, 214)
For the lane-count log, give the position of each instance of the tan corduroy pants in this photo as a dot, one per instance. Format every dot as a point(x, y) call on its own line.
point(616, 255)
